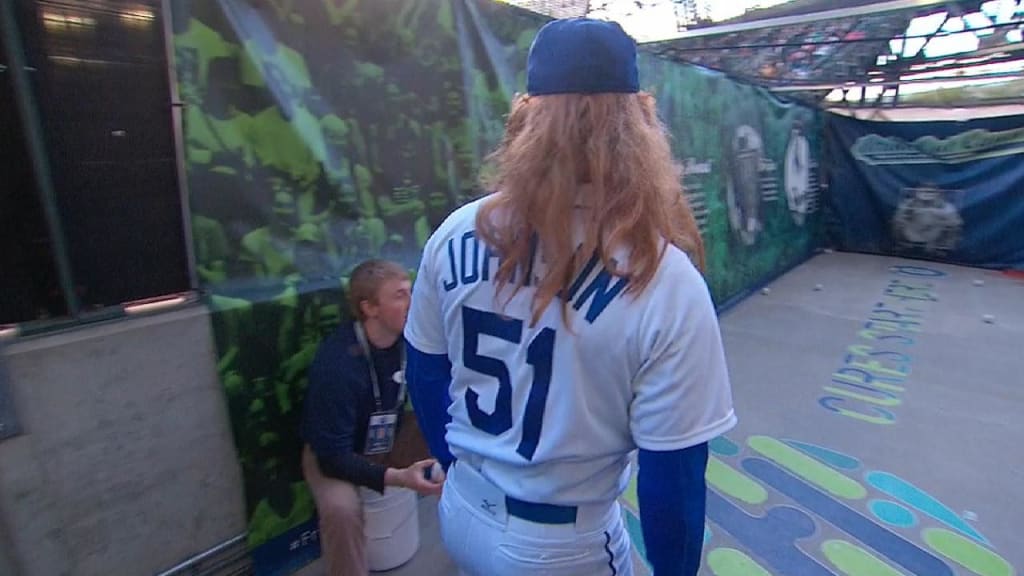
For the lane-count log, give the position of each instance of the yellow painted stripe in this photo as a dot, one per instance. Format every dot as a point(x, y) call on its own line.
point(853, 560)
point(730, 481)
point(730, 562)
point(975, 558)
point(808, 468)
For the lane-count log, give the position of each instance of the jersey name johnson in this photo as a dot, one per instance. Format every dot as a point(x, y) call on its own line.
point(470, 262)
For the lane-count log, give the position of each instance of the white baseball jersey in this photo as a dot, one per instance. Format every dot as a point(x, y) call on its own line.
point(553, 413)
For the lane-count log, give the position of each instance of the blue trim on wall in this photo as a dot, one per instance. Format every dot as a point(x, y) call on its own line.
point(288, 552)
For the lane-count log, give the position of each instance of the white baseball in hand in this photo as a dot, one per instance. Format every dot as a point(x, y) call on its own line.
point(437, 474)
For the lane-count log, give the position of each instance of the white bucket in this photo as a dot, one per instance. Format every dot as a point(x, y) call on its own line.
point(392, 527)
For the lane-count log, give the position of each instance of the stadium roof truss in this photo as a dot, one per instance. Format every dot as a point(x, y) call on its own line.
point(868, 53)
point(882, 54)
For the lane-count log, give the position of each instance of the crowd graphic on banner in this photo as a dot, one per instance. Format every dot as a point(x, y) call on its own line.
point(321, 133)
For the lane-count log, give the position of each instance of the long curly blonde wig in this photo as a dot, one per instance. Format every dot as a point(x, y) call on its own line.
point(607, 152)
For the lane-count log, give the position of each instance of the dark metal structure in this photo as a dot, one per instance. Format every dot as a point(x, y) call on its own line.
point(95, 219)
point(856, 53)
point(868, 51)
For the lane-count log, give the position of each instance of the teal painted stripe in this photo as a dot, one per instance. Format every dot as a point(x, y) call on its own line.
point(723, 446)
point(830, 457)
point(893, 514)
point(920, 500)
point(636, 535)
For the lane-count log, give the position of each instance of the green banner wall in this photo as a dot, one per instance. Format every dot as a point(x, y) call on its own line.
point(751, 172)
point(323, 132)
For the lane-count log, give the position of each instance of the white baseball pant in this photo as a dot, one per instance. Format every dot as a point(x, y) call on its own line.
point(486, 535)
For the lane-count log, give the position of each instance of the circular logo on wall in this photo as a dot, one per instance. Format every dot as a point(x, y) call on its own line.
point(926, 220)
point(798, 176)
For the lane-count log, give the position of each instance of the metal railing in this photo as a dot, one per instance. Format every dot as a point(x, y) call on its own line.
point(230, 558)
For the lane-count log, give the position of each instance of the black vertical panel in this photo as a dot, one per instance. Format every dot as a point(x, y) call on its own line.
point(29, 286)
point(105, 105)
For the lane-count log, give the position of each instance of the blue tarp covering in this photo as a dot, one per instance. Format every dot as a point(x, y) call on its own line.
point(951, 191)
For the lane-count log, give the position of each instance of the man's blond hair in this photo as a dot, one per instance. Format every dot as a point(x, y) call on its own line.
point(366, 280)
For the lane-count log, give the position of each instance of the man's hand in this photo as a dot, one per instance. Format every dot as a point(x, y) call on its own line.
point(415, 478)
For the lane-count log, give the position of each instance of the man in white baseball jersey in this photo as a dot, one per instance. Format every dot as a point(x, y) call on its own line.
point(561, 323)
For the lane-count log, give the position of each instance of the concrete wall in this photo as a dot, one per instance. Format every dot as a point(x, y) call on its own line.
point(126, 464)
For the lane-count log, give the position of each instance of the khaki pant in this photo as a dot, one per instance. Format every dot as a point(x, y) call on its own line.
point(342, 541)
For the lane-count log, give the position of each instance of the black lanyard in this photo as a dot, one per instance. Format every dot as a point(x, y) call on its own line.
point(361, 336)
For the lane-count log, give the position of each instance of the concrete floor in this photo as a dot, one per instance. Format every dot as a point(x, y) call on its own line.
point(918, 471)
point(879, 429)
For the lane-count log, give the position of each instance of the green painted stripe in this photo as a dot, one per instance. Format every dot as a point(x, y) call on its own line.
point(808, 468)
point(733, 483)
point(966, 552)
point(629, 497)
point(729, 562)
point(855, 561)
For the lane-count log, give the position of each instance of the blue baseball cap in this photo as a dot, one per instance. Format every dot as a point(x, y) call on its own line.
point(582, 56)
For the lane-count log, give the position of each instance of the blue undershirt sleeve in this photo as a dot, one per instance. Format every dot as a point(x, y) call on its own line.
point(428, 377)
point(672, 494)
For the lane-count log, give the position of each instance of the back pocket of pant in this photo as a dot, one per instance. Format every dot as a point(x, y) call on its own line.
point(547, 556)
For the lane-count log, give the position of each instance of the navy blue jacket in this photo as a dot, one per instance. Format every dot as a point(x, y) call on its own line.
point(338, 404)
